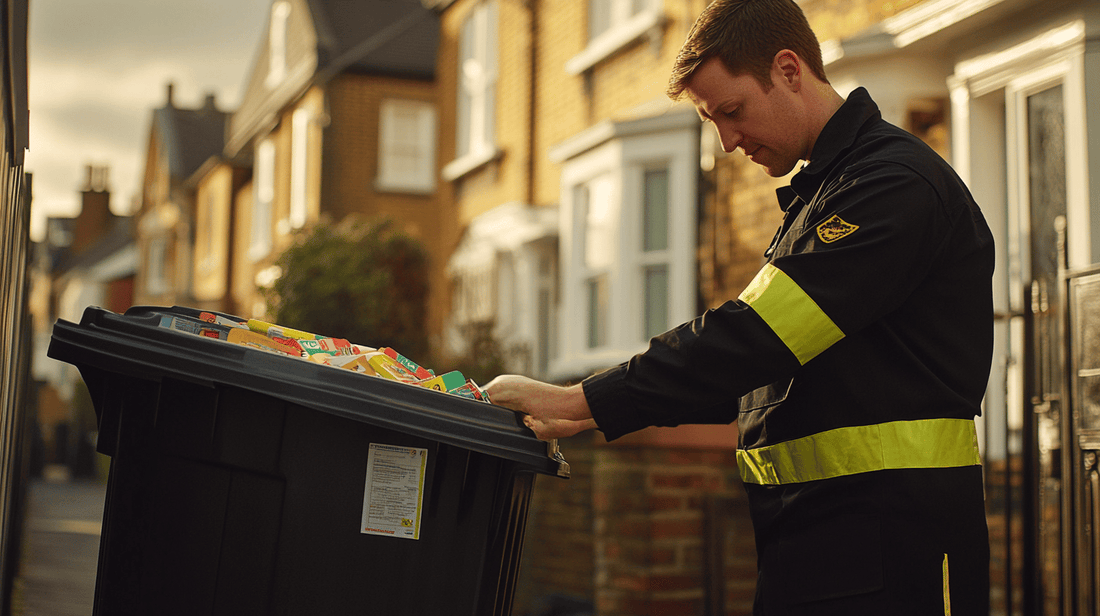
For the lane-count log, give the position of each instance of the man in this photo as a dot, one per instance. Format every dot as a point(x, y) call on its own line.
point(856, 360)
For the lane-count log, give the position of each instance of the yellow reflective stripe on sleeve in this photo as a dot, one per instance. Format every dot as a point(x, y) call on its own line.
point(794, 316)
point(946, 588)
point(924, 443)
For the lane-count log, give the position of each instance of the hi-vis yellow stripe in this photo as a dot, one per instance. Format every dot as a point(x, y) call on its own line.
point(924, 443)
point(790, 313)
point(946, 588)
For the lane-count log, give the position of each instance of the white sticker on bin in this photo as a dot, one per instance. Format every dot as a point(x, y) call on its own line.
point(394, 494)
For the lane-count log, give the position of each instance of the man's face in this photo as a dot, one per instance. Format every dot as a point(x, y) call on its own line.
point(766, 125)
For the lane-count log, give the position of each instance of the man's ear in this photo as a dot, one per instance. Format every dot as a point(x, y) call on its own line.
point(787, 70)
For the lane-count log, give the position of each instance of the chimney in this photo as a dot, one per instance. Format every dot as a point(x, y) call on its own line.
point(211, 102)
point(170, 103)
point(95, 216)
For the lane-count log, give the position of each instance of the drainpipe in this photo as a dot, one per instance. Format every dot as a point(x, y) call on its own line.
point(533, 21)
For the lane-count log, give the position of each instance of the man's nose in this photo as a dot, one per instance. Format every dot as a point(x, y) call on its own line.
point(729, 138)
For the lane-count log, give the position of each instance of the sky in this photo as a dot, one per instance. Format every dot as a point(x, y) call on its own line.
point(98, 68)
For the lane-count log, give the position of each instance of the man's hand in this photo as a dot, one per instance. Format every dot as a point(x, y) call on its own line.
point(551, 411)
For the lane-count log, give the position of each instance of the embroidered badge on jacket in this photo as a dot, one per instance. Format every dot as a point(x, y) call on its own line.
point(834, 229)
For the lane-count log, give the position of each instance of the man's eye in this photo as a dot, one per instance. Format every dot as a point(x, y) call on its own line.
point(732, 112)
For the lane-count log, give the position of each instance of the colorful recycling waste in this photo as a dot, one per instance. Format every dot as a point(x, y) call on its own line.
point(385, 362)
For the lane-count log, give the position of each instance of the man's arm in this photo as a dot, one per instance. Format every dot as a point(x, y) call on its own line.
point(550, 411)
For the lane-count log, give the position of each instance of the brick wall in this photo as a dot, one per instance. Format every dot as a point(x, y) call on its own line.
point(649, 512)
point(739, 218)
point(350, 167)
point(558, 549)
point(833, 19)
point(633, 529)
point(213, 214)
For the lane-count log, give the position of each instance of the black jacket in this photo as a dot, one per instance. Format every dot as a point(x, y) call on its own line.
point(886, 316)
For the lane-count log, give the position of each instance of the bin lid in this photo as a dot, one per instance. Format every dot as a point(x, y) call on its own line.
point(133, 344)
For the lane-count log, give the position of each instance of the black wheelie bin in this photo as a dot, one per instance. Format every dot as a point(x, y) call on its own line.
point(246, 482)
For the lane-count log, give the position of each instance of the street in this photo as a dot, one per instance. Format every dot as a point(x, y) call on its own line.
point(60, 546)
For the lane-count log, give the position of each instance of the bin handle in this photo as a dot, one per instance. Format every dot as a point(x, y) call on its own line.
point(554, 452)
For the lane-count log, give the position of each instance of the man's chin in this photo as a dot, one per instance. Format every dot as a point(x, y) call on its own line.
point(777, 171)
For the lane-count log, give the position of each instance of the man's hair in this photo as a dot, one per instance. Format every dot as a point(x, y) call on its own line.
point(746, 35)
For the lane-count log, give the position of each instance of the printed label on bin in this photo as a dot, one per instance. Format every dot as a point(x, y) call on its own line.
point(394, 493)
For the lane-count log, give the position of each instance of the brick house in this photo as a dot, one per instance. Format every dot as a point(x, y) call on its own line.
point(593, 213)
point(338, 117)
point(180, 141)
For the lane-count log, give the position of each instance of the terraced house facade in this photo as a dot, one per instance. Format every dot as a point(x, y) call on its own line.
point(573, 211)
point(595, 213)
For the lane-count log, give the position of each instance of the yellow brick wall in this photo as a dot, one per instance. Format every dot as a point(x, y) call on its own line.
point(243, 293)
point(568, 104)
point(342, 168)
point(153, 193)
point(506, 179)
point(836, 19)
point(513, 108)
point(560, 98)
point(350, 167)
point(741, 216)
point(212, 215)
point(738, 221)
point(350, 153)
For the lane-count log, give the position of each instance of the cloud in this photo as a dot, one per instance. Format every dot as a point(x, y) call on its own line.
point(98, 69)
point(65, 29)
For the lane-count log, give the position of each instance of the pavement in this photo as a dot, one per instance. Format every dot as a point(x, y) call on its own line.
point(60, 546)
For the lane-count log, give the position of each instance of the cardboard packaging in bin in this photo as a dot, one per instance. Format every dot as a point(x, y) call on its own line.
point(245, 480)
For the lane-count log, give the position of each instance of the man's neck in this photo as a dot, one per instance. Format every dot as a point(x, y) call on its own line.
point(823, 102)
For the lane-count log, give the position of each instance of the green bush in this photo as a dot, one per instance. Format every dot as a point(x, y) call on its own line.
point(366, 282)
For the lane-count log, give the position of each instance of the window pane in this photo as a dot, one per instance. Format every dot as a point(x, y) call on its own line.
point(477, 81)
point(276, 67)
point(597, 311)
point(299, 157)
point(406, 154)
point(656, 300)
point(1047, 166)
point(262, 203)
point(655, 211)
point(156, 278)
point(599, 17)
point(402, 144)
point(593, 201)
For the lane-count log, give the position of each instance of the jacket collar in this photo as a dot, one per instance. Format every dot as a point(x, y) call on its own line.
point(839, 134)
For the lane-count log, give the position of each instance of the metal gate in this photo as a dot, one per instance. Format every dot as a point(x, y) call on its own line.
point(1081, 435)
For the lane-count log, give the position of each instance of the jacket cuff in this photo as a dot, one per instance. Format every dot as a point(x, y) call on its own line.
point(607, 396)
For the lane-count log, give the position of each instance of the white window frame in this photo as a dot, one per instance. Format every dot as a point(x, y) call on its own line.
point(208, 258)
point(503, 272)
point(276, 44)
point(156, 279)
point(657, 257)
point(623, 154)
point(596, 247)
point(301, 123)
point(263, 201)
point(415, 141)
point(475, 140)
point(625, 28)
